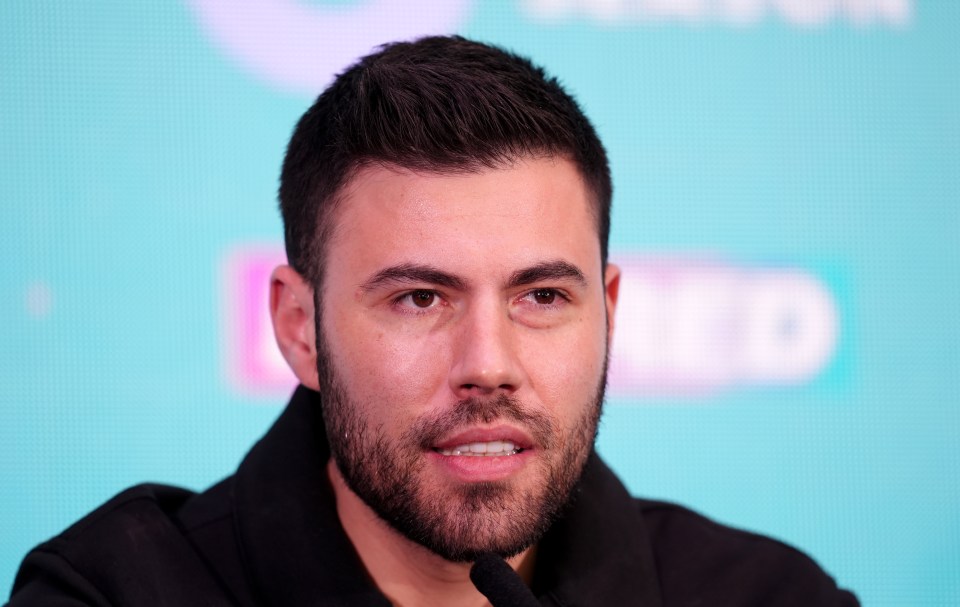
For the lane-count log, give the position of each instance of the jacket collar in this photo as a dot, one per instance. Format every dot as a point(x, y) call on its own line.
point(296, 552)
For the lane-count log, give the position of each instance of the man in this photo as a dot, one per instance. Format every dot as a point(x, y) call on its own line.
point(448, 309)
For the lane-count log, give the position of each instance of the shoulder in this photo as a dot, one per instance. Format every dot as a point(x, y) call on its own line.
point(135, 513)
point(135, 548)
point(698, 557)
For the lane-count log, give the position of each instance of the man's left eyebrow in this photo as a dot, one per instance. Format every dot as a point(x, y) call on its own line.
point(548, 270)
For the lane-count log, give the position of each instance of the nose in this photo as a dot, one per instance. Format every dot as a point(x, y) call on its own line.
point(485, 359)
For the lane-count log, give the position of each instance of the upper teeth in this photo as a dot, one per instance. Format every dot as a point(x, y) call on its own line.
point(495, 447)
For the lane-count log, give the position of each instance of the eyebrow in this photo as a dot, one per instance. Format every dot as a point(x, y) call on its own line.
point(548, 270)
point(424, 274)
point(414, 273)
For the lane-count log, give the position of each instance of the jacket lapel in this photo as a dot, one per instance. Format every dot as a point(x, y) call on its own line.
point(293, 546)
point(599, 552)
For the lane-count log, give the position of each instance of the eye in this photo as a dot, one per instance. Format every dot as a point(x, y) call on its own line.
point(420, 299)
point(544, 296)
point(423, 299)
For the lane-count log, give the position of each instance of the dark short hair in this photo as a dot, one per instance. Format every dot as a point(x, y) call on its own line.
point(438, 104)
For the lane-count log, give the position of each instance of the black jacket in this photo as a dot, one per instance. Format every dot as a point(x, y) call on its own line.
point(269, 535)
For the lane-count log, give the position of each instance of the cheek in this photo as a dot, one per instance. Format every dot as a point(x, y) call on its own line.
point(396, 370)
point(566, 371)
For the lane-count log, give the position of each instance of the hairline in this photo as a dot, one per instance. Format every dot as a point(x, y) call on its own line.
point(324, 230)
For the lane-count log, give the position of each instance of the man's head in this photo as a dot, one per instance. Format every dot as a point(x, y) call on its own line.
point(445, 198)
point(440, 104)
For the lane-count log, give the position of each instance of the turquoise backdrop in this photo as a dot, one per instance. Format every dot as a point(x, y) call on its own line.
point(752, 141)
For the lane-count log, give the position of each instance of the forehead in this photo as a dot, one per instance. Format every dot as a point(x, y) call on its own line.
point(481, 227)
point(530, 200)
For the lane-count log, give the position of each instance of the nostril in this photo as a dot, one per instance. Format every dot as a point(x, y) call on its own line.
point(482, 389)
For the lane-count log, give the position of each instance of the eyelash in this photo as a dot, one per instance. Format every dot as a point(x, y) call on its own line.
point(561, 298)
point(413, 309)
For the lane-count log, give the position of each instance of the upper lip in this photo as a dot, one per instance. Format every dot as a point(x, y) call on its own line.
point(501, 432)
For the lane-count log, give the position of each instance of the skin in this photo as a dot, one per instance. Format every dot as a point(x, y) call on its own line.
point(497, 318)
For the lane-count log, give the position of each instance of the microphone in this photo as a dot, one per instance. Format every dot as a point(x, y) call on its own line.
point(497, 581)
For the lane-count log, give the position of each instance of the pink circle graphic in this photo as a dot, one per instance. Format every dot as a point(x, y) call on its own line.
point(298, 47)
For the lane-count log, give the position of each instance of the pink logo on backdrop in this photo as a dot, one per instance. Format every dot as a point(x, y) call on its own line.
point(694, 326)
point(253, 364)
point(684, 327)
point(297, 46)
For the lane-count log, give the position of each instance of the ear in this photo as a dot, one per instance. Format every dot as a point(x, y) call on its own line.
point(292, 312)
point(611, 289)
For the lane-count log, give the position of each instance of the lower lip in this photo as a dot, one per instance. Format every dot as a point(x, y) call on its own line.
point(475, 469)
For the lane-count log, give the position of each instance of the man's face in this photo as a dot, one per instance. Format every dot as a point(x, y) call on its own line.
point(462, 349)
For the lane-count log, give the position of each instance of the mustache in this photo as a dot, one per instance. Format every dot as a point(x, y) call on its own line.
point(427, 431)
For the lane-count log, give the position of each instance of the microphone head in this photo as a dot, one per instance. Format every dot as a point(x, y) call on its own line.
point(497, 581)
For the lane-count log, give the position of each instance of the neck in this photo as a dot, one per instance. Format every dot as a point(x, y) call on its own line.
point(406, 572)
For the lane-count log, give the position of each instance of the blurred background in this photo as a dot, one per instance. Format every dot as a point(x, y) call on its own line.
point(786, 172)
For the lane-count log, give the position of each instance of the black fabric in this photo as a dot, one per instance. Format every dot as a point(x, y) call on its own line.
point(269, 536)
point(497, 581)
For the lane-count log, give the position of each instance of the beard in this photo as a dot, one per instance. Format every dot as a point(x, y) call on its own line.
point(462, 521)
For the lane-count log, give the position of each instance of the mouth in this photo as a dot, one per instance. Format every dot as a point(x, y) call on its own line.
point(494, 448)
point(483, 454)
point(499, 441)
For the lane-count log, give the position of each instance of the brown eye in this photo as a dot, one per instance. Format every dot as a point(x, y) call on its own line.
point(423, 299)
point(545, 296)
